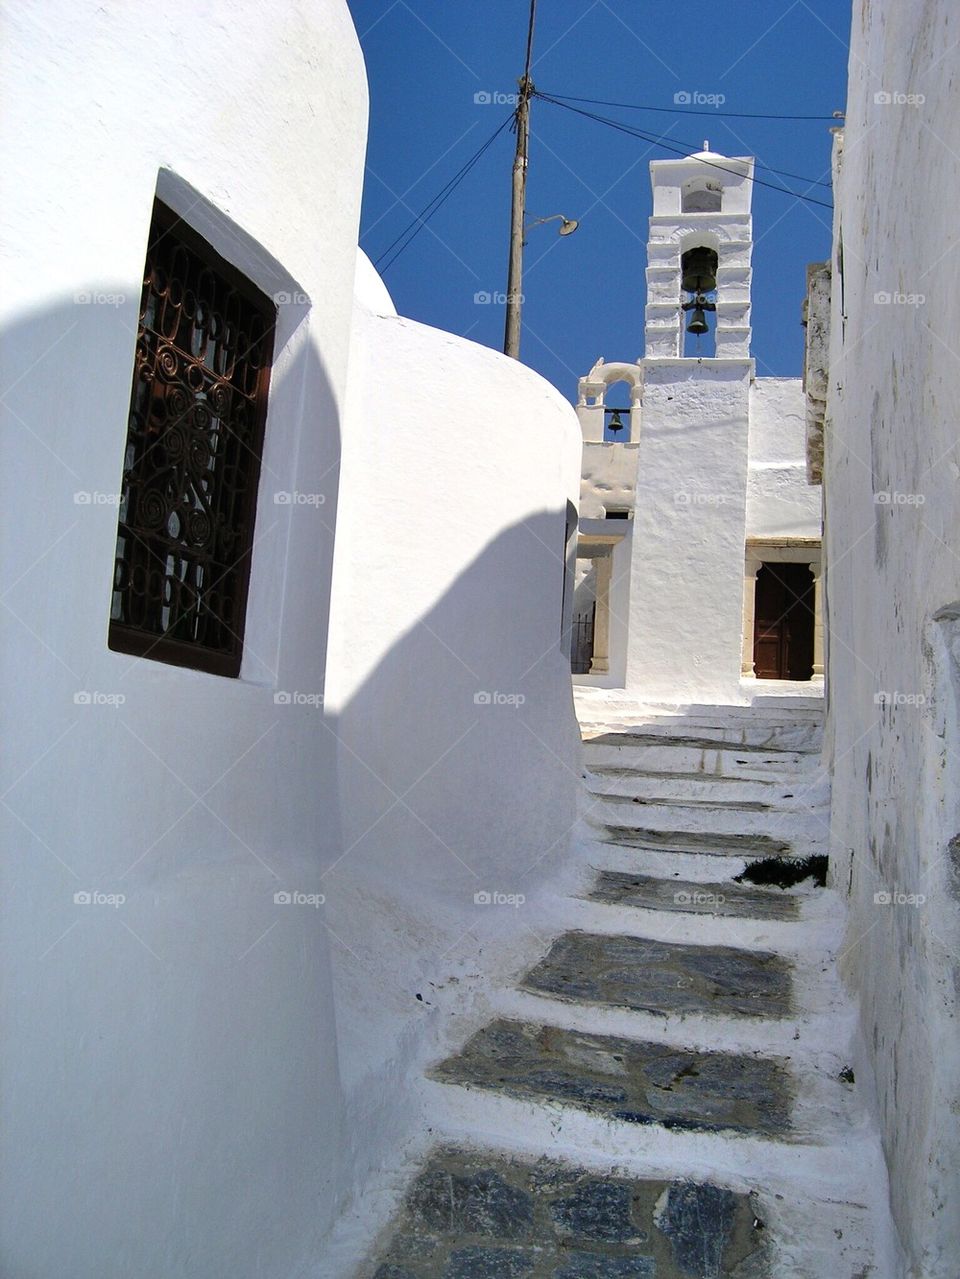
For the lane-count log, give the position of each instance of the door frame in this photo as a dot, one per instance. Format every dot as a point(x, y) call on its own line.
point(784, 550)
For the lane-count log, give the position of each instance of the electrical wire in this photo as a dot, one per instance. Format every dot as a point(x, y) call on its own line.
point(660, 142)
point(438, 201)
point(730, 115)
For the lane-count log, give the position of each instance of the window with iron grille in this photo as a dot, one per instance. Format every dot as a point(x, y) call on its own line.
point(192, 461)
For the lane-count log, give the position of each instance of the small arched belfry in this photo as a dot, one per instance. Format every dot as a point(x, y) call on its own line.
point(697, 520)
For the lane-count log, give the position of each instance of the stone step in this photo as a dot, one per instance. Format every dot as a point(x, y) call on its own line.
point(474, 1214)
point(749, 847)
point(693, 897)
point(803, 739)
point(751, 821)
point(626, 1080)
point(707, 762)
point(656, 976)
point(708, 803)
point(697, 788)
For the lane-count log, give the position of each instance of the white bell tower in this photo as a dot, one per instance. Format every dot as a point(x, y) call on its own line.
point(690, 515)
point(700, 203)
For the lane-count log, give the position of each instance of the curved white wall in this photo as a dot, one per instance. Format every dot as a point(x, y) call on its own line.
point(182, 1068)
point(457, 467)
point(171, 1087)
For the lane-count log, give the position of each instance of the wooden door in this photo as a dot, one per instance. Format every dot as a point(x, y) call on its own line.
point(783, 632)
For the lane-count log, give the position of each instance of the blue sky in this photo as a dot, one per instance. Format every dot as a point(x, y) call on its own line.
point(427, 62)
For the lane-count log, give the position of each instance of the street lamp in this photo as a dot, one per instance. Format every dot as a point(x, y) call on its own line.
point(567, 225)
point(511, 342)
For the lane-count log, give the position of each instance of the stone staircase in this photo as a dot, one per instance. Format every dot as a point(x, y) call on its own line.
point(667, 1092)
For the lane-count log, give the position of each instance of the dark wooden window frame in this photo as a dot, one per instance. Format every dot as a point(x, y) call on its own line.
point(225, 657)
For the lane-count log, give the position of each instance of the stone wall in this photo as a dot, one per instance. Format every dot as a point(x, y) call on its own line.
point(892, 496)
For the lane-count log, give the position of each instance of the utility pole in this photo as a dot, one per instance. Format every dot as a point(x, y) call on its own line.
point(511, 333)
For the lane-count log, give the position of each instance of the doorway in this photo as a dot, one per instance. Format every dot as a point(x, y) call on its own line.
point(784, 622)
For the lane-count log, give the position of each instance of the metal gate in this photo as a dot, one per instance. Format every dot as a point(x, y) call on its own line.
point(581, 648)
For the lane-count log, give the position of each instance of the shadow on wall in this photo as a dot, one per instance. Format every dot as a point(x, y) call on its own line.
point(172, 1100)
point(459, 770)
point(174, 1073)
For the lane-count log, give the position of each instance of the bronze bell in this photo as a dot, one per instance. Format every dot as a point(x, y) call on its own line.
point(698, 322)
point(615, 423)
point(698, 268)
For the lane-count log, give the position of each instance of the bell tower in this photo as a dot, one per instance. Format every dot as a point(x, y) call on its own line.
point(690, 514)
point(698, 257)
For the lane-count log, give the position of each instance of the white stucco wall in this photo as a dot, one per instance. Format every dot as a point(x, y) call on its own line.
point(689, 530)
point(893, 582)
point(609, 478)
point(181, 1069)
point(447, 589)
point(780, 502)
point(168, 1109)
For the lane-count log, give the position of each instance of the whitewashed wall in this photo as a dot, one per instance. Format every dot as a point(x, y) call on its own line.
point(892, 496)
point(173, 1065)
point(449, 679)
point(689, 532)
point(780, 502)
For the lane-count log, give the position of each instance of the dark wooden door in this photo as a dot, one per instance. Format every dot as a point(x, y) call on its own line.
point(783, 630)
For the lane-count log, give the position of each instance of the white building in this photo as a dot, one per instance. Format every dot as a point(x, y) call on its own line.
point(229, 874)
point(886, 383)
point(698, 576)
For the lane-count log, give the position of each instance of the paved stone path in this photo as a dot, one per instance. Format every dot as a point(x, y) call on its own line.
point(667, 1091)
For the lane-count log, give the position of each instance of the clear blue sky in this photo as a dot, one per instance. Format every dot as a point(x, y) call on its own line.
point(584, 295)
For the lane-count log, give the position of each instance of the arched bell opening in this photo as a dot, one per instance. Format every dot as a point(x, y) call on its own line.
point(698, 284)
